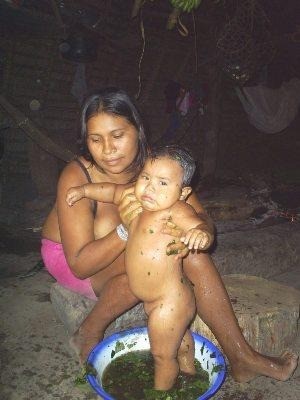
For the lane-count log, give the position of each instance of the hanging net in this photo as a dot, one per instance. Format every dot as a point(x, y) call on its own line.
point(271, 110)
point(245, 43)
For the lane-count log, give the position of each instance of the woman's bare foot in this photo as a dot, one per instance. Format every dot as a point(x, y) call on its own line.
point(280, 368)
point(82, 343)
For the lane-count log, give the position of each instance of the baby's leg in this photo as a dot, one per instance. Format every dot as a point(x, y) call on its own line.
point(167, 325)
point(186, 354)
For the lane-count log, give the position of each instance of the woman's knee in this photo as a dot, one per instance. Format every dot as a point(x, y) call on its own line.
point(104, 281)
point(197, 264)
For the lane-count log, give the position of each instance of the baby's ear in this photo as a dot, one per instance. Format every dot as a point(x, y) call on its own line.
point(185, 192)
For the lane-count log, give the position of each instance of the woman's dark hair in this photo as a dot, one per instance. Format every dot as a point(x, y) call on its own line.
point(114, 101)
point(181, 156)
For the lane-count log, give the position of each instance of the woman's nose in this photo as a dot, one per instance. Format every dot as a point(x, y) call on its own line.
point(108, 147)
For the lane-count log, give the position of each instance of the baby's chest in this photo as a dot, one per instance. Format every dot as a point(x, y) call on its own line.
point(146, 237)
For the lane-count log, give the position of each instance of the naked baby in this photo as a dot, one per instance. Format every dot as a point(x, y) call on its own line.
point(155, 277)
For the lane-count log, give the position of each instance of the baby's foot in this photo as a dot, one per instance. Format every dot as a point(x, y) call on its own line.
point(83, 343)
point(280, 368)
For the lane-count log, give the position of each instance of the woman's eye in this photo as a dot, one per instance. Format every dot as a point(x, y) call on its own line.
point(118, 135)
point(163, 183)
point(94, 139)
point(145, 177)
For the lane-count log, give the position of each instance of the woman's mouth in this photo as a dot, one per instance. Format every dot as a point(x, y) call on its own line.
point(112, 161)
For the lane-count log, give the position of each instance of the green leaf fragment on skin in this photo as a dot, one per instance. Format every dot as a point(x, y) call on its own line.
point(171, 252)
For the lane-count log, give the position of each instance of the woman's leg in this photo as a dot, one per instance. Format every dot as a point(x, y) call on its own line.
point(114, 298)
point(214, 308)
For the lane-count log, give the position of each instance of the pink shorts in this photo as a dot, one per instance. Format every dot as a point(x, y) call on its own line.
point(56, 264)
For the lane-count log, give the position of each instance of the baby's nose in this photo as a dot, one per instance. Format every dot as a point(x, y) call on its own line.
point(150, 186)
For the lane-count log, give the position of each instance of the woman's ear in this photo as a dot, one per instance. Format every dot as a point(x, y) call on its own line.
point(185, 192)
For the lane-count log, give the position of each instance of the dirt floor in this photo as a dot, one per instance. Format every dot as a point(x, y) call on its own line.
point(36, 360)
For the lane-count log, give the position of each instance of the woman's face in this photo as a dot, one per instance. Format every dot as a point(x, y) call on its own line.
point(112, 142)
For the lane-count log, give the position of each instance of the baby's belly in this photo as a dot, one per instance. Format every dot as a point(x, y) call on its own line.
point(150, 271)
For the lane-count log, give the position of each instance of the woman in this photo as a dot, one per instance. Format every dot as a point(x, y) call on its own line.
point(83, 246)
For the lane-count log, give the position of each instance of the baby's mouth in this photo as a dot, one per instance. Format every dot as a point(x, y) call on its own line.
point(147, 198)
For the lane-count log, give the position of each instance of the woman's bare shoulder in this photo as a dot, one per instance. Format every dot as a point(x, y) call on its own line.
point(74, 173)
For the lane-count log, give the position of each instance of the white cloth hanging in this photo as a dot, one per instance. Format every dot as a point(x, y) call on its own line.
point(271, 110)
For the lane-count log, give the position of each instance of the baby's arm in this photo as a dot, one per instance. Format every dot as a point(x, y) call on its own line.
point(104, 192)
point(195, 233)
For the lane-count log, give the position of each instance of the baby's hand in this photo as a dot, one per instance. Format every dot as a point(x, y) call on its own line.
point(74, 194)
point(197, 239)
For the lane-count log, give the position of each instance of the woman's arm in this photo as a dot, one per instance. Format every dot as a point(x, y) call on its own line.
point(207, 222)
point(85, 255)
point(195, 233)
point(172, 229)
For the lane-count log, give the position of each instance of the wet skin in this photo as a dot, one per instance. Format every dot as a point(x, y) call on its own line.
point(94, 250)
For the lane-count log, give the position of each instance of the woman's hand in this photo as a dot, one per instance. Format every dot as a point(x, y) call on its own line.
point(175, 246)
point(129, 207)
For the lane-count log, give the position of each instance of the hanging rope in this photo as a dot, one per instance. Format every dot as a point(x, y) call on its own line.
point(195, 42)
point(182, 29)
point(142, 55)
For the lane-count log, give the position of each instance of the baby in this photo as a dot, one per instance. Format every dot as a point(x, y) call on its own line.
point(155, 277)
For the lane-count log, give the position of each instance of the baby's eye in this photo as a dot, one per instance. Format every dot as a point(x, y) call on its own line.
point(163, 183)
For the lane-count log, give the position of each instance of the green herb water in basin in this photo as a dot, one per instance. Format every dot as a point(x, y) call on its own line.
point(125, 369)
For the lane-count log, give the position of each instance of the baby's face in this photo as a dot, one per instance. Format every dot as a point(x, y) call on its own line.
point(159, 184)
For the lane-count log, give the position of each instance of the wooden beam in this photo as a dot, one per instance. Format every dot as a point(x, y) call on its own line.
point(34, 133)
